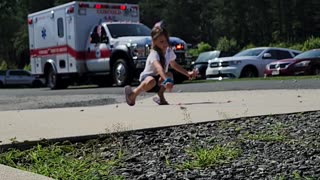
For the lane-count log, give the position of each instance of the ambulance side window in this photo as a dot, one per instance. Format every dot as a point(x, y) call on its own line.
point(99, 35)
point(60, 28)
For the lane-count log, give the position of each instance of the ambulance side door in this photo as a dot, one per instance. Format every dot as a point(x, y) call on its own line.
point(98, 54)
point(61, 49)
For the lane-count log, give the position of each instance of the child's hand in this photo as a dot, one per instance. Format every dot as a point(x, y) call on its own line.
point(193, 74)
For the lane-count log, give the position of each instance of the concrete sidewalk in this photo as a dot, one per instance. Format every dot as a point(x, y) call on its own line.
point(34, 125)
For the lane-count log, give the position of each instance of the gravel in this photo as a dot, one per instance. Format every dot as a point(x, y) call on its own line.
point(268, 147)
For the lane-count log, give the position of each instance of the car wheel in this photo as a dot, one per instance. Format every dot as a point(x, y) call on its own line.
point(249, 72)
point(122, 73)
point(316, 70)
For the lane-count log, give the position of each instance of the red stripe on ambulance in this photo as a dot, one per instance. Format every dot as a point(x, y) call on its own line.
point(78, 55)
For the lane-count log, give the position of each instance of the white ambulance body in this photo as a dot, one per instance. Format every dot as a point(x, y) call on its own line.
point(61, 50)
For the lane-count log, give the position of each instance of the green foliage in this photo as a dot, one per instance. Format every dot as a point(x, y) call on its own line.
point(201, 47)
point(3, 65)
point(280, 45)
point(249, 46)
point(311, 43)
point(206, 21)
point(27, 67)
point(297, 47)
point(210, 157)
point(60, 162)
point(227, 45)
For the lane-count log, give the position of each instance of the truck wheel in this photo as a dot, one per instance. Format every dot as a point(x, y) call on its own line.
point(249, 72)
point(121, 73)
point(54, 81)
point(1, 84)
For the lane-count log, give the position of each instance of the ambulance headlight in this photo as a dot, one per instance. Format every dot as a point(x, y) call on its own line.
point(139, 51)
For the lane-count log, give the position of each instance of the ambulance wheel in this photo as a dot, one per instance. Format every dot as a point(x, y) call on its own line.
point(54, 81)
point(121, 73)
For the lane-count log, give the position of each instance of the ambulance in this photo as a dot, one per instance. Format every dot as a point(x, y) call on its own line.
point(90, 43)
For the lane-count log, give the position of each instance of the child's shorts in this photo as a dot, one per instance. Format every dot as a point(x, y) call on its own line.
point(156, 88)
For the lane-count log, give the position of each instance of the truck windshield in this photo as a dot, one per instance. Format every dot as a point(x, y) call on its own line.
point(120, 30)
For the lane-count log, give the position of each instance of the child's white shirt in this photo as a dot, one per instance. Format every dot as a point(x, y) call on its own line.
point(150, 69)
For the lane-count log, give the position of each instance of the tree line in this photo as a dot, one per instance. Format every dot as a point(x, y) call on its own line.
point(247, 22)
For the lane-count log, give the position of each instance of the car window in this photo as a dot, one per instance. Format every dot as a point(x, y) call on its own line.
point(250, 52)
point(284, 54)
point(206, 56)
point(279, 54)
point(274, 53)
point(19, 73)
point(309, 54)
point(296, 53)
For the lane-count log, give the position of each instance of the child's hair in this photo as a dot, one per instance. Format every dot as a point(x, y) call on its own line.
point(155, 33)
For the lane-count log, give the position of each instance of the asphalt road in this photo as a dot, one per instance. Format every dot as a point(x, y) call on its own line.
point(20, 99)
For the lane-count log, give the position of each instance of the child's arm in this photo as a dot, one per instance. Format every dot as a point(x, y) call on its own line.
point(180, 69)
point(160, 69)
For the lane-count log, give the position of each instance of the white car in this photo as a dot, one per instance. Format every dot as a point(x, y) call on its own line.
point(247, 63)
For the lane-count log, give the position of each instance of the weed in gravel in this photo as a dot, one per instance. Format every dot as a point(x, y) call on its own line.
point(59, 162)
point(209, 157)
point(294, 176)
point(275, 133)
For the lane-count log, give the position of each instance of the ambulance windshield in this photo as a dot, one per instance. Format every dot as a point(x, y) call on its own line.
point(120, 30)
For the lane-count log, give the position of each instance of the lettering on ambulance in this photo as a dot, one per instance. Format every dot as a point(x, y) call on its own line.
point(64, 49)
point(39, 18)
point(109, 11)
point(110, 18)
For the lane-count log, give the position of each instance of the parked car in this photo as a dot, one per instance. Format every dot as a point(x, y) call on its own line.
point(247, 63)
point(306, 63)
point(18, 77)
point(201, 63)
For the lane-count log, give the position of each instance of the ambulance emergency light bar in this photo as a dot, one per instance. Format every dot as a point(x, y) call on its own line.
point(104, 6)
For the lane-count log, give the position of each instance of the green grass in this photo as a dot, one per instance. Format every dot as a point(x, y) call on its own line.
point(274, 133)
point(293, 176)
point(255, 79)
point(61, 162)
point(205, 158)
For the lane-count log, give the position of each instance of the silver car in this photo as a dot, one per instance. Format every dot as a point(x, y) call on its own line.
point(19, 77)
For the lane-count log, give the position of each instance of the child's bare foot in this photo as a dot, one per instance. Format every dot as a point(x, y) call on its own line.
point(160, 102)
